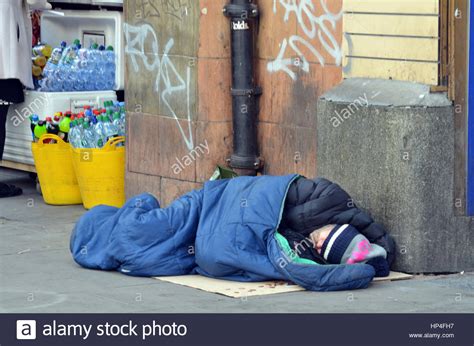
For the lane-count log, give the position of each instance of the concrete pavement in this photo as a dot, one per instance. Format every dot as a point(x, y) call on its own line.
point(37, 274)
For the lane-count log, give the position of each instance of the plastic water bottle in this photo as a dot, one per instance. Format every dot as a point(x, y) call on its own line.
point(101, 58)
point(119, 124)
point(123, 114)
point(74, 134)
point(113, 107)
point(116, 106)
point(80, 133)
point(99, 131)
point(82, 58)
point(49, 71)
point(109, 69)
point(73, 73)
point(88, 136)
point(91, 69)
point(110, 130)
point(122, 109)
point(48, 84)
point(81, 141)
point(80, 70)
point(72, 129)
point(53, 62)
point(109, 114)
point(70, 53)
point(99, 71)
point(65, 75)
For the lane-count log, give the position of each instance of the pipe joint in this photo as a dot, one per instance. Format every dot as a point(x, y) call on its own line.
point(256, 91)
point(246, 162)
point(241, 11)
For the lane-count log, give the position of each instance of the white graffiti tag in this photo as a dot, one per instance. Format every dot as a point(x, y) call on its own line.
point(136, 38)
point(314, 27)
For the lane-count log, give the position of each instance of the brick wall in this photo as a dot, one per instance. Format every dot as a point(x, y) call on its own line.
point(178, 78)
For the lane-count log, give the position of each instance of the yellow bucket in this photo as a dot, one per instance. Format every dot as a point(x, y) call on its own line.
point(101, 174)
point(55, 171)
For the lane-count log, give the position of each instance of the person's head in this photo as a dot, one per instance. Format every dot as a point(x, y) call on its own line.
point(339, 244)
point(319, 236)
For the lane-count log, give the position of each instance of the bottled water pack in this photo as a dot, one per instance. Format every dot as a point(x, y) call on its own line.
point(73, 68)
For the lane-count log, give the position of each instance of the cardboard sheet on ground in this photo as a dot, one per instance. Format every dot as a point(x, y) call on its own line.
point(236, 289)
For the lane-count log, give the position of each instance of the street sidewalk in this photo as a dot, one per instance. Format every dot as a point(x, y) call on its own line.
point(37, 274)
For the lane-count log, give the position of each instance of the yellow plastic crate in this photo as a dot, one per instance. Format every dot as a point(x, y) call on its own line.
point(101, 174)
point(55, 170)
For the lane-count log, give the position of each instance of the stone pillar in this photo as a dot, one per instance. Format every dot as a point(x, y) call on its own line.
point(391, 146)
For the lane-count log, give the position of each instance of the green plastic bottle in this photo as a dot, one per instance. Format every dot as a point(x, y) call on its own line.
point(109, 114)
point(40, 129)
point(64, 124)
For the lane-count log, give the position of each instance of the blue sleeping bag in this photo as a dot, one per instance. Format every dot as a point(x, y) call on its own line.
point(227, 230)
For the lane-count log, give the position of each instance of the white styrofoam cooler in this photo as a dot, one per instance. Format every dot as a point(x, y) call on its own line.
point(54, 29)
point(79, 24)
point(19, 136)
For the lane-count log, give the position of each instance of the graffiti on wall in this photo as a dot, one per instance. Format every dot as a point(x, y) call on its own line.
point(313, 27)
point(168, 81)
point(157, 8)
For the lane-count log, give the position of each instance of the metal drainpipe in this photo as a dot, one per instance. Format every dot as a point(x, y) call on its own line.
point(245, 159)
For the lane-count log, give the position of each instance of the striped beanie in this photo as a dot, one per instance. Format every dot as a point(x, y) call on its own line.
point(345, 245)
